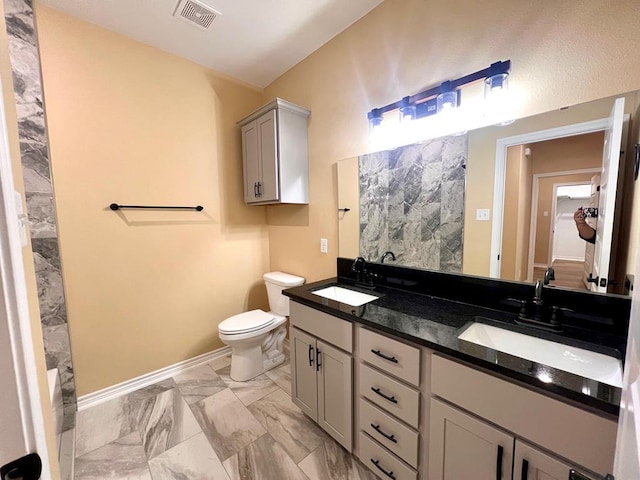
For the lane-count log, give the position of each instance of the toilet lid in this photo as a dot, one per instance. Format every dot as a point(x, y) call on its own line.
point(246, 322)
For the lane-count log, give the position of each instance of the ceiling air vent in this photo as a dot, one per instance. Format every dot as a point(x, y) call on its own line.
point(196, 13)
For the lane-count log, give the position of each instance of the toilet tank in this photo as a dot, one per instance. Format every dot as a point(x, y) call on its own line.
point(276, 282)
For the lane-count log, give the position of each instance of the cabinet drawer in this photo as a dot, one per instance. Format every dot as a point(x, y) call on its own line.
point(396, 398)
point(332, 329)
point(396, 358)
point(382, 463)
point(389, 432)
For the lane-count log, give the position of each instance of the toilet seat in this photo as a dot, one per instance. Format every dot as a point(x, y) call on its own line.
point(246, 322)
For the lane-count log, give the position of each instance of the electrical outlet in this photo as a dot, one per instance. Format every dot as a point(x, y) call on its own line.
point(323, 245)
point(482, 214)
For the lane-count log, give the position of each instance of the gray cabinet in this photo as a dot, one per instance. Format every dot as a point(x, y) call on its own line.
point(322, 373)
point(531, 463)
point(274, 152)
point(461, 446)
point(504, 423)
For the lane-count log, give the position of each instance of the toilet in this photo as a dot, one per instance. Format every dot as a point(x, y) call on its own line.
point(256, 337)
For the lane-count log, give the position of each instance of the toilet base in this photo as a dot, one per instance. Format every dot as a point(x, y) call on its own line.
point(249, 361)
point(269, 363)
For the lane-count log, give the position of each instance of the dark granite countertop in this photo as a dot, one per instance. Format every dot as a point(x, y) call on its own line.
point(436, 323)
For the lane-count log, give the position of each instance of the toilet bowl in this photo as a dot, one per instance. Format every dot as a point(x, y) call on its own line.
point(256, 337)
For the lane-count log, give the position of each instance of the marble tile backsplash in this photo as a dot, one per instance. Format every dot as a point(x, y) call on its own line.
point(36, 173)
point(412, 203)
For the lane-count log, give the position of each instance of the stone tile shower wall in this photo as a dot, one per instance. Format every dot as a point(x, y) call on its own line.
point(36, 171)
point(412, 203)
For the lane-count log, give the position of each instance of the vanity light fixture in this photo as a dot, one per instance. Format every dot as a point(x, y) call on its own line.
point(444, 97)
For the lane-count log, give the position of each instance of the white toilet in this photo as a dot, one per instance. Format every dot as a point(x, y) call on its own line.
point(256, 337)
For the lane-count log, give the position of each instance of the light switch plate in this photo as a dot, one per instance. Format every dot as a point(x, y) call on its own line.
point(323, 245)
point(482, 214)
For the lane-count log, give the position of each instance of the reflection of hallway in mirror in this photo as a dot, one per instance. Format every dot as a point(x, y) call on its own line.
point(568, 274)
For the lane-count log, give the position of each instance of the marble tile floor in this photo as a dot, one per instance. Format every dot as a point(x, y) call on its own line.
point(202, 425)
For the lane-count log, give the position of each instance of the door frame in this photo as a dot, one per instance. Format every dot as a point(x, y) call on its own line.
point(554, 211)
point(502, 144)
point(535, 192)
point(13, 288)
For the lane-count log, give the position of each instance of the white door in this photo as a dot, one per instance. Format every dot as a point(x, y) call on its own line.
point(608, 186)
point(627, 460)
point(22, 429)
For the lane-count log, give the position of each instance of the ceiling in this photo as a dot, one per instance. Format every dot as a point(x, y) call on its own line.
point(255, 41)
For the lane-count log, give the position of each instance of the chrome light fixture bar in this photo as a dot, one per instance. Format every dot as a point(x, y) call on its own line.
point(443, 97)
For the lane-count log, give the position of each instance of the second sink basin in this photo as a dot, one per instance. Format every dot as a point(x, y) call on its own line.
point(585, 363)
point(345, 295)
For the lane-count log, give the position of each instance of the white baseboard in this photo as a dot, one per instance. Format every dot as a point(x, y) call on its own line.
point(569, 259)
point(540, 265)
point(109, 393)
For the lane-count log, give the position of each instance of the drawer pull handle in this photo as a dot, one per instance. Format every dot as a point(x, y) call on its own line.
point(385, 435)
point(311, 355)
point(525, 470)
point(499, 462)
point(382, 355)
point(392, 399)
point(318, 364)
point(377, 464)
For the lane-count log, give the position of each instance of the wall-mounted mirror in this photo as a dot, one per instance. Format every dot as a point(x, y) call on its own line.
point(499, 201)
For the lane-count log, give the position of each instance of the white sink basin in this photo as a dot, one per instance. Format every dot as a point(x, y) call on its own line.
point(588, 364)
point(344, 295)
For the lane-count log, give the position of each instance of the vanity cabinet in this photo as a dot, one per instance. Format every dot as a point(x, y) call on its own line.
point(492, 417)
point(531, 463)
point(462, 446)
point(274, 153)
point(419, 414)
point(322, 373)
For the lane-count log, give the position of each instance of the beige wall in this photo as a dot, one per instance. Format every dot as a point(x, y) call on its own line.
point(508, 257)
point(570, 153)
point(517, 215)
point(399, 49)
point(131, 124)
point(27, 254)
point(348, 197)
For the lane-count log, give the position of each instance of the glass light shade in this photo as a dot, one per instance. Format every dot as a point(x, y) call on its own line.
point(446, 101)
point(407, 113)
point(496, 84)
point(375, 121)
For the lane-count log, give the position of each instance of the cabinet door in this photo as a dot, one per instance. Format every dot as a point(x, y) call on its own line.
point(304, 390)
point(268, 134)
point(463, 447)
point(335, 387)
point(251, 160)
point(533, 464)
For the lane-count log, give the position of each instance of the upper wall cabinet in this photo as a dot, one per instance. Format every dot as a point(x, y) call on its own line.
point(274, 152)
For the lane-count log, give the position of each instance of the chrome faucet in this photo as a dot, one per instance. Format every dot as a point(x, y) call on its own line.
point(387, 254)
